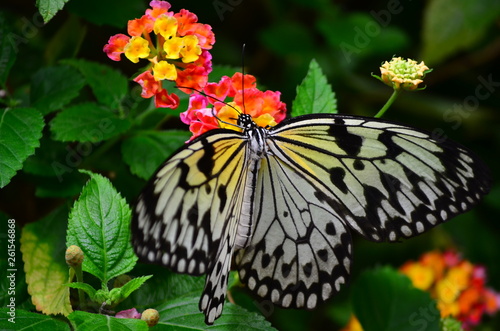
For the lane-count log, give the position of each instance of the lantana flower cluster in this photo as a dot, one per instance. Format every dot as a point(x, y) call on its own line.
point(219, 104)
point(457, 285)
point(175, 44)
point(403, 74)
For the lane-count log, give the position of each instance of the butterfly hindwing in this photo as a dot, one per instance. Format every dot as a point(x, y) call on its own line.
point(300, 252)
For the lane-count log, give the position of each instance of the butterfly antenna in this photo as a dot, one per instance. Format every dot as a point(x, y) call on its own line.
point(216, 99)
point(243, 77)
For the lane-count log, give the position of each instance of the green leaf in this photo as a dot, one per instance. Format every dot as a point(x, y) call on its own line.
point(7, 51)
point(130, 287)
point(27, 321)
point(384, 300)
point(467, 22)
point(145, 151)
point(20, 132)
point(46, 271)
point(48, 8)
point(314, 94)
point(85, 287)
point(99, 223)
point(54, 87)
point(87, 122)
point(83, 321)
point(184, 314)
point(109, 85)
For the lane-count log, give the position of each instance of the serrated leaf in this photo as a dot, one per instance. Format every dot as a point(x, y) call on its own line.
point(314, 94)
point(20, 132)
point(54, 87)
point(7, 51)
point(48, 8)
point(467, 22)
point(87, 122)
point(184, 314)
point(46, 271)
point(27, 321)
point(145, 151)
point(83, 321)
point(385, 300)
point(99, 223)
point(133, 285)
point(109, 85)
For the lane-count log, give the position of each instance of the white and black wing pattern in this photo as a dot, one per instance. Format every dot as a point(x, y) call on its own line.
point(187, 215)
point(326, 174)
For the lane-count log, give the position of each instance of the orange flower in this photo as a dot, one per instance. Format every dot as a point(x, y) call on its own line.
point(265, 108)
point(177, 50)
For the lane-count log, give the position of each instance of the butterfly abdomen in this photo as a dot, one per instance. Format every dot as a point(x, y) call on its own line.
point(256, 149)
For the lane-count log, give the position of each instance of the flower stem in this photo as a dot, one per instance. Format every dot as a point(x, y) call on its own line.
point(79, 278)
point(389, 102)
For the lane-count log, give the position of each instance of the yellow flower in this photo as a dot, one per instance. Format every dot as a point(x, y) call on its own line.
point(191, 50)
point(229, 114)
point(136, 48)
point(447, 291)
point(460, 275)
point(166, 26)
point(421, 276)
point(265, 120)
point(448, 309)
point(173, 47)
point(403, 74)
point(164, 70)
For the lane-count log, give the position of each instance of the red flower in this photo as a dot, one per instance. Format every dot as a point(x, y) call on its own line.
point(115, 46)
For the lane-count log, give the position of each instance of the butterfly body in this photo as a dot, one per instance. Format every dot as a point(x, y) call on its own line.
point(281, 202)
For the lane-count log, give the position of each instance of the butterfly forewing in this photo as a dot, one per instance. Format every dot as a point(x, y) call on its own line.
point(394, 181)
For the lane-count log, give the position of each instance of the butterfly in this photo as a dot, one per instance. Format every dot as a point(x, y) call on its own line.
point(280, 204)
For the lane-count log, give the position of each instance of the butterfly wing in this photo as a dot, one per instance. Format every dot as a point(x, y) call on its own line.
point(327, 173)
point(186, 217)
point(395, 181)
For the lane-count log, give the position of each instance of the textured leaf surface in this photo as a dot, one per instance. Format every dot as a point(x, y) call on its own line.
point(314, 94)
point(54, 87)
point(99, 224)
point(109, 85)
point(84, 321)
point(20, 133)
point(87, 122)
point(184, 314)
point(28, 321)
point(46, 271)
point(48, 8)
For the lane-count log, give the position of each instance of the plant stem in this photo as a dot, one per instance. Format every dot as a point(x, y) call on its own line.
point(389, 102)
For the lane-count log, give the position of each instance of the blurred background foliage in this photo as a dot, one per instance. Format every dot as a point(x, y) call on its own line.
point(459, 39)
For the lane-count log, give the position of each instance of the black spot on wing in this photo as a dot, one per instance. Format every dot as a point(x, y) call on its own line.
point(206, 162)
point(222, 195)
point(337, 175)
point(349, 142)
